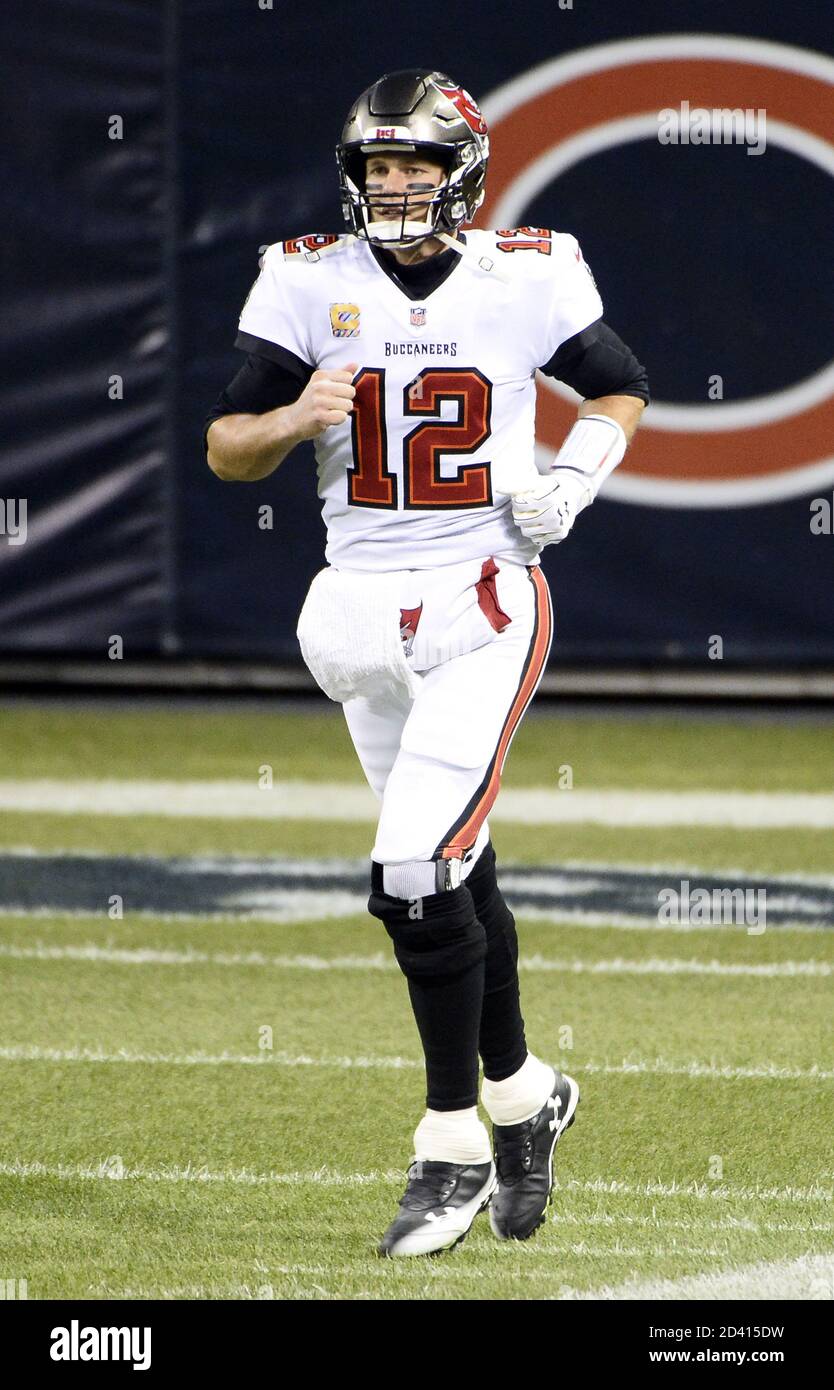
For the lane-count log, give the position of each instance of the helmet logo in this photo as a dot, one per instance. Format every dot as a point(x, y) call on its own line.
point(466, 106)
point(385, 132)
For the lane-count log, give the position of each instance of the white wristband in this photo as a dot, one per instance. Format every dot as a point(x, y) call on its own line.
point(594, 447)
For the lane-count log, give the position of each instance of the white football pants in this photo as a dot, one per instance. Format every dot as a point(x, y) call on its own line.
point(477, 635)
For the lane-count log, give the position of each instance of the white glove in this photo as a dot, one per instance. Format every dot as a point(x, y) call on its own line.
point(546, 512)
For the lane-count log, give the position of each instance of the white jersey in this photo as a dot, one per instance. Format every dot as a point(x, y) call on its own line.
point(445, 392)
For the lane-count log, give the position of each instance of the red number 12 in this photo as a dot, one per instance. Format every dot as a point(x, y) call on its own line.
point(372, 484)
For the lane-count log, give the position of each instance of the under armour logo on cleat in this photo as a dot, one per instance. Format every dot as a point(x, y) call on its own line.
point(556, 1103)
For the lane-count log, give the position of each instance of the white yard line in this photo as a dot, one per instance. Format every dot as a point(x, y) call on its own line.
point(145, 955)
point(306, 907)
point(140, 955)
point(530, 1255)
point(113, 1169)
point(583, 1250)
point(658, 966)
point(203, 1059)
point(728, 1225)
point(658, 1067)
point(718, 1191)
point(640, 1066)
point(622, 921)
point(345, 801)
point(808, 1277)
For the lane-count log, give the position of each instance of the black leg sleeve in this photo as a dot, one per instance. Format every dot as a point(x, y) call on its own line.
point(502, 1043)
point(440, 947)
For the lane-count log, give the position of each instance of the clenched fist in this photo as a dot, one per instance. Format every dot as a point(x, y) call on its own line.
point(326, 400)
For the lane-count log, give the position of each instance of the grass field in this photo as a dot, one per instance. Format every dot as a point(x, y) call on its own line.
point(220, 1104)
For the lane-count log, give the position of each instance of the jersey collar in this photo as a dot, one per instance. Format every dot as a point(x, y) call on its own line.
point(420, 280)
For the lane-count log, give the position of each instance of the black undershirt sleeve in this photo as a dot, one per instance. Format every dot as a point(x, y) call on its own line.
point(263, 382)
point(596, 362)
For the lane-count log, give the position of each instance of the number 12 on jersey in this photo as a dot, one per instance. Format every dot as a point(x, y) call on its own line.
point(370, 482)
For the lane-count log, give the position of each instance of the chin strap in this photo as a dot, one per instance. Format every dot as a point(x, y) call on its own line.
point(334, 246)
point(484, 263)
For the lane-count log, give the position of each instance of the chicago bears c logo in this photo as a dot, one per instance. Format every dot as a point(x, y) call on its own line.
point(560, 112)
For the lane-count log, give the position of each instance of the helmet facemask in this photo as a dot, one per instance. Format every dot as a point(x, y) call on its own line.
point(408, 221)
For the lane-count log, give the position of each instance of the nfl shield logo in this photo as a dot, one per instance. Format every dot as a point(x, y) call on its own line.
point(418, 317)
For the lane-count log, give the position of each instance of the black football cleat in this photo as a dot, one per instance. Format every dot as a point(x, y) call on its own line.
point(438, 1206)
point(524, 1158)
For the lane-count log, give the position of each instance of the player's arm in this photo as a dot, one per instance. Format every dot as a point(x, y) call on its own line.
point(601, 367)
point(245, 448)
point(278, 398)
point(625, 410)
point(267, 410)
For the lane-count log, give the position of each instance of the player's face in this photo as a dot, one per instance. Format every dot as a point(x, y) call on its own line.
point(389, 177)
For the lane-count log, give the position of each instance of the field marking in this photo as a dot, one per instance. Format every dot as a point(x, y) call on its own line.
point(347, 801)
point(233, 863)
point(718, 1191)
point(326, 907)
point(236, 888)
point(536, 964)
point(658, 966)
point(28, 1053)
point(621, 921)
point(660, 1067)
point(729, 1225)
point(583, 1250)
point(112, 1169)
point(807, 1277)
point(641, 1066)
point(140, 955)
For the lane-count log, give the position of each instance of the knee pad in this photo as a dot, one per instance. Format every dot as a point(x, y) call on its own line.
point(490, 907)
point(436, 936)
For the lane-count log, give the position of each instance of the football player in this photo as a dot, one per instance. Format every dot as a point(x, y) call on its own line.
point(407, 350)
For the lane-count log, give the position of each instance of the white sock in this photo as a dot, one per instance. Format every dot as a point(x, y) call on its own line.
point(452, 1136)
point(520, 1096)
